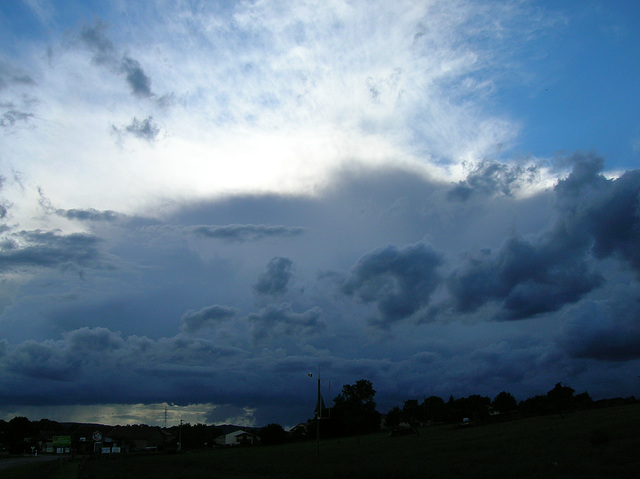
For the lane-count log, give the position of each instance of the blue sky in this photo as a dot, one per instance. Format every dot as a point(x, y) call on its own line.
point(201, 203)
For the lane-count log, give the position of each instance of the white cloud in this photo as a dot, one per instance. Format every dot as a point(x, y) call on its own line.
point(269, 98)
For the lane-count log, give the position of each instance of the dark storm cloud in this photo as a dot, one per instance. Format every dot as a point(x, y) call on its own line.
point(195, 320)
point(48, 249)
point(608, 210)
point(527, 278)
point(242, 233)
point(164, 353)
point(453, 369)
point(40, 361)
point(606, 330)
point(276, 279)
point(97, 341)
point(595, 218)
point(63, 360)
point(492, 177)
point(551, 264)
point(279, 320)
point(96, 364)
point(146, 129)
point(226, 414)
point(104, 54)
point(399, 281)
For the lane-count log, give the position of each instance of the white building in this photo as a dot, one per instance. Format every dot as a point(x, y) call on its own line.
point(237, 438)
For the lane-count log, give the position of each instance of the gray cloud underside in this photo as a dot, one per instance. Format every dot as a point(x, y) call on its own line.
point(81, 214)
point(606, 330)
point(47, 249)
point(571, 271)
point(276, 320)
point(242, 233)
point(276, 279)
point(595, 217)
point(89, 214)
point(399, 281)
point(196, 320)
point(99, 365)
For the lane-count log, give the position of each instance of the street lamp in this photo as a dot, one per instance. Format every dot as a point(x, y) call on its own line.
point(318, 414)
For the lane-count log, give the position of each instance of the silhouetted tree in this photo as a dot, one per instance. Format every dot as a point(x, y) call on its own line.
point(433, 409)
point(505, 402)
point(3, 431)
point(355, 410)
point(18, 429)
point(273, 434)
point(411, 411)
point(474, 407)
point(536, 405)
point(561, 397)
point(193, 436)
point(583, 401)
point(394, 417)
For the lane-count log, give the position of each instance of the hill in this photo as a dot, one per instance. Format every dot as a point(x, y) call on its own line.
point(586, 444)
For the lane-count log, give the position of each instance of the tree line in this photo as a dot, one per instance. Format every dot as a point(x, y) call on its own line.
point(354, 410)
point(353, 413)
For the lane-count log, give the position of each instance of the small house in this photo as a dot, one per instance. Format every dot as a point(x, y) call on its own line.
point(237, 438)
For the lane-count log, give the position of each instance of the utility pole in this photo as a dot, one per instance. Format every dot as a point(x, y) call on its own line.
point(318, 416)
point(180, 437)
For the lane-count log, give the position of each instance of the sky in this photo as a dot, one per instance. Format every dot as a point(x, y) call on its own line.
point(203, 202)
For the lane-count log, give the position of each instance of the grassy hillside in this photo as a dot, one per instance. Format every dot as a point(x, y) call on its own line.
point(589, 444)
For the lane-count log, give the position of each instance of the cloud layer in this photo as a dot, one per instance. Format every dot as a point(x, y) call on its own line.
point(444, 306)
point(201, 204)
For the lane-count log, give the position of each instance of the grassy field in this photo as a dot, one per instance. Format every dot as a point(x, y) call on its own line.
point(600, 443)
point(59, 469)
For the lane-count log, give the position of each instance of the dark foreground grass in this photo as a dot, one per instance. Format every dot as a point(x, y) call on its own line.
point(602, 443)
point(59, 469)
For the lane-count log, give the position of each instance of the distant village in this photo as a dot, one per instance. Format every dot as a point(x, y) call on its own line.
point(353, 412)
